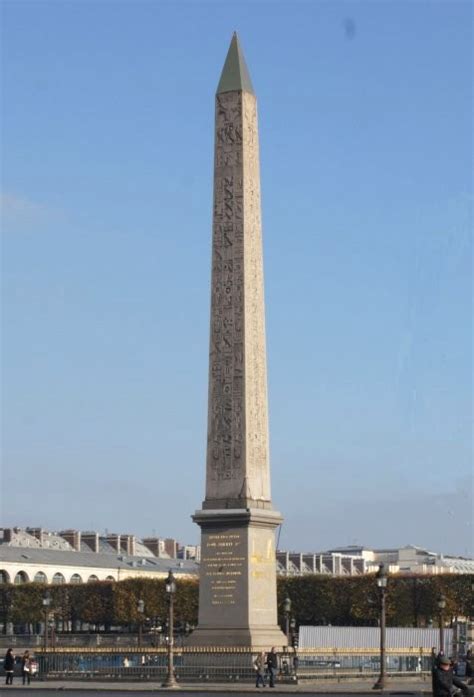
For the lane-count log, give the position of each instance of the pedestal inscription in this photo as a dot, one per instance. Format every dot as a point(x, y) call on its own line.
point(237, 586)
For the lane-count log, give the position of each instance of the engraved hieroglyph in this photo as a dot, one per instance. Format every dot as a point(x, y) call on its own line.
point(237, 454)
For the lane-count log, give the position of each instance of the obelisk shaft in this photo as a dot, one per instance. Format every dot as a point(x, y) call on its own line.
point(237, 449)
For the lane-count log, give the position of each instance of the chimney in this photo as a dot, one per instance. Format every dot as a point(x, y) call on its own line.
point(153, 544)
point(129, 544)
point(91, 539)
point(171, 547)
point(114, 541)
point(73, 537)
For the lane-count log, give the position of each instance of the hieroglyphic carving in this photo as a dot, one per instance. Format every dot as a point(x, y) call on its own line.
point(226, 393)
point(257, 461)
point(237, 456)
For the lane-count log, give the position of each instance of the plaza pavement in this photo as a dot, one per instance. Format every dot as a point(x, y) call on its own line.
point(344, 687)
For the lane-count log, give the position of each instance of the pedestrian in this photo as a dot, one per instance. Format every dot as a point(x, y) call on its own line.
point(26, 667)
point(272, 665)
point(469, 666)
point(259, 667)
point(8, 666)
point(444, 680)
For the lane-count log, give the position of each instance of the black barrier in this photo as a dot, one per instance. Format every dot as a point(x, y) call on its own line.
point(217, 665)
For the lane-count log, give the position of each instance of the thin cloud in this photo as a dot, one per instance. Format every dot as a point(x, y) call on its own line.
point(16, 210)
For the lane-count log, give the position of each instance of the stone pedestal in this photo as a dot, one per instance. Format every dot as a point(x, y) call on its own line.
point(237, 588)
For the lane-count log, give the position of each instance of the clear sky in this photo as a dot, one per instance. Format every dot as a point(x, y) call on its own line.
point(366, 146)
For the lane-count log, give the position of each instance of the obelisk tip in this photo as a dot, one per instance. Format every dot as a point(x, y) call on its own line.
point(235, 75)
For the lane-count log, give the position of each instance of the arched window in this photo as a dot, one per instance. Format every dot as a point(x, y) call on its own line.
point(110, 578)
point(58, 578)
point(21, 577)
point(4, 577)
point(75, 578)
point(40, 577)
point(92, 578)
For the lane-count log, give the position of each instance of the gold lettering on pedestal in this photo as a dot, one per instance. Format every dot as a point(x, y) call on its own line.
point(223, 564)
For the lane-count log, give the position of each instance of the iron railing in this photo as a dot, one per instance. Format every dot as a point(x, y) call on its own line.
point(222, 665)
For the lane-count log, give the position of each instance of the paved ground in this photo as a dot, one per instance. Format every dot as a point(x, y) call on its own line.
point(90, 688)
point(88, 692)
point(215, 692)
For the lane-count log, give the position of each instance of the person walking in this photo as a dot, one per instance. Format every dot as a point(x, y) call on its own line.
point(444, 680)
point(272, 665)
point(469, 660)
point(26, 668)
point(9, 666)
point(259, 666)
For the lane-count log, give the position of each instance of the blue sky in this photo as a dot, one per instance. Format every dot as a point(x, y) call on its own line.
point(366, 142)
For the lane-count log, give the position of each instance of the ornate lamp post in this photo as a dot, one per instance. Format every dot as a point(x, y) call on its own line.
point(140, 610)
point(470, 634)
point(287, 612)
point(46, 605)
point(294, 645)
point(292, 631)
point(441, 602)
point(382, 578)
point(170, 591)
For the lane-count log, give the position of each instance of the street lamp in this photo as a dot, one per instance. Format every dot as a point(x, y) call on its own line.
point(287, 612)
point(140, 610)
point(381, 578)
point(470, 632)
point(294, 644)
point(472, 607)
point(292, 630)
point(441, 602)
point(170, 587)
point(46, 604)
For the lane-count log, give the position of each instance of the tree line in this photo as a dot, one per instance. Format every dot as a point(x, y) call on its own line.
point(411, 601)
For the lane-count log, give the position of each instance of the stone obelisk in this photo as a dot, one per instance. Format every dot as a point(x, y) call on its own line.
point(237, 594)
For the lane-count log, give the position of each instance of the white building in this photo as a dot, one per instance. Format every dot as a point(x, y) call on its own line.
point(356, 560)
point(74, 557)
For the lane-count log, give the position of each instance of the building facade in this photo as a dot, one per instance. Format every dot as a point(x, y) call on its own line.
point(356, 561)
point(35, 555)
point(72, 556)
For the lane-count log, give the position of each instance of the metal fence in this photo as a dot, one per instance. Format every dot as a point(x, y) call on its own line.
point(218, 665)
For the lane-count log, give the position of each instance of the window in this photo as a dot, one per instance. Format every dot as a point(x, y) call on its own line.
point(58, 578)
point(4, 577)
point(92, 578)
point(21, 577)
point(40, 577)
point(75, 578)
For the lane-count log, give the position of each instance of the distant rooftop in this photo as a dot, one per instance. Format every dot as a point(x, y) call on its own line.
point(93, 560)
point(77, 542)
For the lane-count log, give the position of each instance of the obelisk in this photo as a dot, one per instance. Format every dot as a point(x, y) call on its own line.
point(237, 592)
